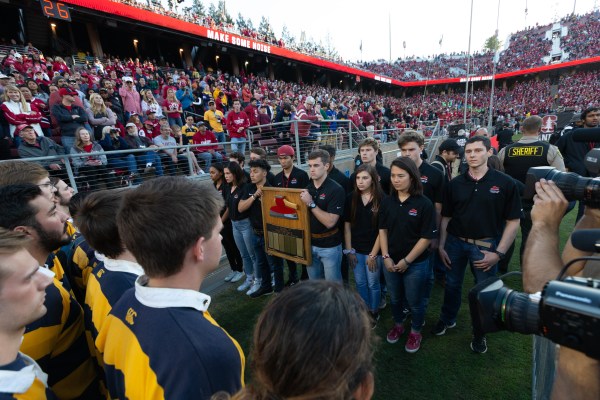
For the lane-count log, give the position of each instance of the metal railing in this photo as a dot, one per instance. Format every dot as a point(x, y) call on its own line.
point(133, 166)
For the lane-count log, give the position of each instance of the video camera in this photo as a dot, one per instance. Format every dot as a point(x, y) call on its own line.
point(567, 312)
point(573, 186)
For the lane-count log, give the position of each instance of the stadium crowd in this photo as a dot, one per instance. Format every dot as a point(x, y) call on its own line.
point(528, 48)
point(102, 279)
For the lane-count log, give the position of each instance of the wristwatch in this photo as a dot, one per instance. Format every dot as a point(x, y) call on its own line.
point(500, 254)
point(312, 205)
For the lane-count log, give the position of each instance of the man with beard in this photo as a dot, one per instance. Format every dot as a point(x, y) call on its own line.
point(56, 341)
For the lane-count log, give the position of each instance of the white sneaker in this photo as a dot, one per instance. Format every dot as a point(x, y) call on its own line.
point(254, 288)
point(246, 285)
point(230, 276)
point(237, 277)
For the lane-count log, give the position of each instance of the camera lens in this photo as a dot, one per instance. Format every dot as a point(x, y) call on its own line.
point(519, 312)
point(573, 186)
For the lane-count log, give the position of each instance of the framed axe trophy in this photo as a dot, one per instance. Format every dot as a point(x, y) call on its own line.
point(286, 224)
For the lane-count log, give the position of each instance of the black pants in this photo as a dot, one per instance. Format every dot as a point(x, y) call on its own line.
point(231, 251)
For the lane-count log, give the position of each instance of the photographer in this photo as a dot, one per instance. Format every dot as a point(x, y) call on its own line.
point(577, 376)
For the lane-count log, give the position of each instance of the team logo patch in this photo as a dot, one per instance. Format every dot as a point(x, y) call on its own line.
point(131, 314)
point(235, 197)
point(495, 189)
point(549, 123)
point(322, 196)
point(294, 181)
point(424, 179)
point(413, 212)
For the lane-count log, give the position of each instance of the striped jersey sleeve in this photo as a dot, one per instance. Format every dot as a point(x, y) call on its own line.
point(57, 343)
point(143, 348)
point(104, 289)
point(24, 379)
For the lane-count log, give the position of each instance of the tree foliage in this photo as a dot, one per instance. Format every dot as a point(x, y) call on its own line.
point(492, 44)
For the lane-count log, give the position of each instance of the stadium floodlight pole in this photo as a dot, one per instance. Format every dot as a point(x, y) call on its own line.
point(468, 65)
point(494, 61)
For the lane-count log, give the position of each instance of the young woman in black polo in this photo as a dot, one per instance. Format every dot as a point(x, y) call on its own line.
point(242, 229)
point(361, 236)
point(406, 227)
point(233, 254)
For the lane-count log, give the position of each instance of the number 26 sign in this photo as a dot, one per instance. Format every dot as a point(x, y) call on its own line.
point(53, 9)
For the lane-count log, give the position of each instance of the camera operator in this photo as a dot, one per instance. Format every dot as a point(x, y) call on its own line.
point(577, 375)
point(574, 152)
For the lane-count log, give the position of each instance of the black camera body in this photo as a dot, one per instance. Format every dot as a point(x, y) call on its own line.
point(567, 312)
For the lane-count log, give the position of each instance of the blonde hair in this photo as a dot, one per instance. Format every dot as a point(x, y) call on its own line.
point(24, 104)
point(97, 109)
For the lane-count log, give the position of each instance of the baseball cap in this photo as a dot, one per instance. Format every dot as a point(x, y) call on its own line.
point(19, 128)
point(449, 145)
point(130, 124)
point(67, 91)
point(127, 79)
point(148, 112)
point(286, 150)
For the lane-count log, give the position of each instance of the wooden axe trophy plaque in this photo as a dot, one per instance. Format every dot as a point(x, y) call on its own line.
point(286, 224)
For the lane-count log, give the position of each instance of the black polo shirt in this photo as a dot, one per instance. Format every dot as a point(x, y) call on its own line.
point(329, 197)
point(433, 182)
point(384, 178)
point(256, 218)
point(365, 229)
point(223, 190)
point(232, 201)
point(406, 223)
point(341, 179)
point(480, 209)
point(298, 179)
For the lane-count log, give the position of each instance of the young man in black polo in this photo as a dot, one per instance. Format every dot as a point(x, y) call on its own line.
point(325, 200)
point(294, 178)
point(252, 200)
point(338, 176)
point(447, 153)
point(479, 207)
point(368, 150)
point(411, 144)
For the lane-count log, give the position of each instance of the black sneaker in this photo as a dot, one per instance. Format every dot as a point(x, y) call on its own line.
point(262, 291)
point(291, 282)
point(374, 319)
point(479, 344)
point(440, 327)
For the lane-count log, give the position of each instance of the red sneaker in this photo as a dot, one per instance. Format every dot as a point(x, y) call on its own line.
point(413, 344)
point(394, 334)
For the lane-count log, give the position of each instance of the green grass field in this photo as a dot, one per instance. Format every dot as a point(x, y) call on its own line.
point(444, 367)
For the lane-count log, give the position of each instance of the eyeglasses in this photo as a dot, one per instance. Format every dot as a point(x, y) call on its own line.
point(48, 185)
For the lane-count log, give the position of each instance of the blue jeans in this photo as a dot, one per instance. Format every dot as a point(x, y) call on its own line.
point(175, 121)
point(367, 282)
point(244, 239)
point(220, 137)
point(326, 263)
point(461, 253)
point(67, 142)
point(412, 286)
point(151, 157)
point(124, 162)
point(207, 158)
point(265, 263)
point(238, 144)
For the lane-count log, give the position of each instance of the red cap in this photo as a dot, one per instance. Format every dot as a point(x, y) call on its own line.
point(19, 128)
point(286, 150)
point(67, 91)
